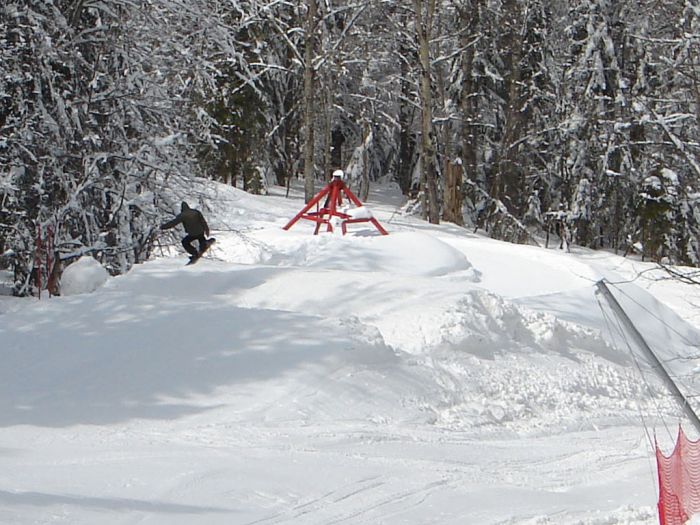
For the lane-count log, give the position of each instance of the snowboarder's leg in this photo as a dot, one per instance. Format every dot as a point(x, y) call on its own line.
point(187, 245)
point(203, 243)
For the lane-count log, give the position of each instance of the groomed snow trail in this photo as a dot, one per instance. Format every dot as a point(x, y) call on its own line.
point(431, 376)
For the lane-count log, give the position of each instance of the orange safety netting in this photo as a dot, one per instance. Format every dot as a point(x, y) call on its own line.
point(679, 481)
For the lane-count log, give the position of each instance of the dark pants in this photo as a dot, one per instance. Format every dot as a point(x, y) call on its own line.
point(187, 244)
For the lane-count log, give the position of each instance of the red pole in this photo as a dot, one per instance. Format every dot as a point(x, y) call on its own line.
point(351, 196)
point(49, 258)
point(37, 259)
point(310, 205)
point(333, 202)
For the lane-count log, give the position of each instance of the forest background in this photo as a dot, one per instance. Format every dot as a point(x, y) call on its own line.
point(519, 118)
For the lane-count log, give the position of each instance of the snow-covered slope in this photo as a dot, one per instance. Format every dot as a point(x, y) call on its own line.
point(429, 376)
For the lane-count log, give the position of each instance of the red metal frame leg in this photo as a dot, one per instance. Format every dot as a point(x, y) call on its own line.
point(378, 226)
point(306, 208)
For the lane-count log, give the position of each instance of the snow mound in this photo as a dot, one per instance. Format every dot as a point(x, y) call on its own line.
point(399, 253)
point(500, 364)
point(487, 325)
point(402, 253)
point(83, 276)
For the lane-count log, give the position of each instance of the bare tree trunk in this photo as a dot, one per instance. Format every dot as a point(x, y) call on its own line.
point(425, 9)
point(309, 54)
point(76, 9)
point(328, 109)
point(405, 141)
point(469, 102)
point(453, 194)
point(507, 184)
point(337, 139)
point(364, 183)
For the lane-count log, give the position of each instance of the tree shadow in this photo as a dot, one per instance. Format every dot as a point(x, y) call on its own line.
point(145, 350)
point(43, 499)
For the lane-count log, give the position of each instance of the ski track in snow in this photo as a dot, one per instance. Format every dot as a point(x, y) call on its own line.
point(432, 376)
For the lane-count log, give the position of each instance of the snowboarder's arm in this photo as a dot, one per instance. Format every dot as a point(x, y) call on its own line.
point(170, 224)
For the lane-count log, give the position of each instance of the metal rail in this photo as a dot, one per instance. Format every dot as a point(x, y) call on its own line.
point(680, 397)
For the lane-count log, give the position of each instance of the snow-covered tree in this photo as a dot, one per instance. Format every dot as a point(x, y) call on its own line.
point(96, 113)
point(569, 109)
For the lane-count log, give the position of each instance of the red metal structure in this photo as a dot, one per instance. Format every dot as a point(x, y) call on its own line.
point(329, 213)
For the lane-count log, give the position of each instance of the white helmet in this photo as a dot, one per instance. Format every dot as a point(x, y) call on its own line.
point(339, 173)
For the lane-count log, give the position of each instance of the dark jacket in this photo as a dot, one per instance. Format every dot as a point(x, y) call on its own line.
point(192, 220)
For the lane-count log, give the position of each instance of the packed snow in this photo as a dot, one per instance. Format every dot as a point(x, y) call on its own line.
point(83, 276)
point(431, 376)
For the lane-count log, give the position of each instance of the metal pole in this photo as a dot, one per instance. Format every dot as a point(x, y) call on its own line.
point(682, 400)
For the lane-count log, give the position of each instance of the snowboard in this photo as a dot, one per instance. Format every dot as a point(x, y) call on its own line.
point(199, 255)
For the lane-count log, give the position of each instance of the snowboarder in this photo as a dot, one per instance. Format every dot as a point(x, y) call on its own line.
point(196, 228)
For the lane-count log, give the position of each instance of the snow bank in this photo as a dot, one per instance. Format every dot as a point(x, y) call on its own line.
point(401, 253)
point(500, 365)
point(83, 276)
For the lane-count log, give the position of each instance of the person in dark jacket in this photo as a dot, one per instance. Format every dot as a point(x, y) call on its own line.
point(195, 226)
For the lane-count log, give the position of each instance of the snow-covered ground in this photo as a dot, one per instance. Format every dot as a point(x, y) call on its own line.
point(431, 376)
